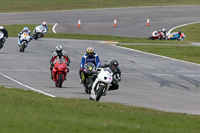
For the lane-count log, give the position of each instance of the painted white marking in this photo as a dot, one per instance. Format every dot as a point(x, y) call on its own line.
point(53, 28)
point(156, 55)
point(181, 26)
point(31, 88)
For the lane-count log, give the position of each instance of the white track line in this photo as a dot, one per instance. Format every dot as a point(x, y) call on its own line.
point(181, 26)
point(26, 85)
point(53, 28)
point(156, 55)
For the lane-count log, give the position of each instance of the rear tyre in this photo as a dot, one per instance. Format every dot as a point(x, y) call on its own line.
point(99, 92)
point(35, 36)
point(1, 45)
point(60, 79)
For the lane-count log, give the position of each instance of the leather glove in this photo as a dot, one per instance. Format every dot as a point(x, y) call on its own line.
point(81, 69)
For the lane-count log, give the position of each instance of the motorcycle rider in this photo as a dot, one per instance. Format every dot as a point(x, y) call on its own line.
point(113, 65)
point(5, 32)
point(44, 24)
point(180, 36)
point(164, 33)
point(25, 29)
point(60, 53)
point(89, 56)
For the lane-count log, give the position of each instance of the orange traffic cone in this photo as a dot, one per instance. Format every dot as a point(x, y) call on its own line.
point(79, 23)
point(148, 21)
point(115, 22)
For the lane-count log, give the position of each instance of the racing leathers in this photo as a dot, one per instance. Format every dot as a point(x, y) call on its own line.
point(116, 77)
point(93, 59)
point(55, 56)
point(5, 32)
point(23, 31)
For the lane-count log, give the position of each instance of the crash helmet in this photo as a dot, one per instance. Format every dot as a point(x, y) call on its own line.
point(113, 64)
point(90, 51)
point(59, 49)
point(163, 30)
point(179, 32)
point(44, 23)
point(25, 29)
point(1, 27)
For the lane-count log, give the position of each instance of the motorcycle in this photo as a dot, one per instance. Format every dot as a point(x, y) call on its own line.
point(24, 39)
point(156, 35)
point(2, 40)
point(101, 83)
point(59, 72)
point(38, 32)
point(87, 74)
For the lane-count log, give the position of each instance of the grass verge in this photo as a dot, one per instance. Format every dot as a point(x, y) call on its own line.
point(186, 53)
point(15, 29)
point(27, 111)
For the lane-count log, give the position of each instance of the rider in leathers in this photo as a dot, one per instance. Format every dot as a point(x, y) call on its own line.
point(113, 65)
point(5, 32)
point(60, 53)
point(89, 56)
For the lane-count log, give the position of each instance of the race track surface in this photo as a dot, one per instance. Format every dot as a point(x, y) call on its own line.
point(147, 80)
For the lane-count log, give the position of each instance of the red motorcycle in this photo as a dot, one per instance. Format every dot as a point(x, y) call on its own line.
point(59, 72)
point(156, 35)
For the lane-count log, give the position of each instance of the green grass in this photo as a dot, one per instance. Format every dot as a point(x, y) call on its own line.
point(191, 31)
point(187, 53)
point(29, 112)
point(15, 29)
point(49, 5)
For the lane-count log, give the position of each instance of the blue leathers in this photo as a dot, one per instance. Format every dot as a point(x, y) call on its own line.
point(93, 59)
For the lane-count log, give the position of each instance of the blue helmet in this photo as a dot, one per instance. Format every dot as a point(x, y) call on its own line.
point(25, 28)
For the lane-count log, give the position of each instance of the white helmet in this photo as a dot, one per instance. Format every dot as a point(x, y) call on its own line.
point(44, 23)
point(59, 49)
point(1, 27)
point(164, 30)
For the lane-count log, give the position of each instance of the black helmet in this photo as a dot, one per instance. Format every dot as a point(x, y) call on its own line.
point(113, 64)
point(179, 32)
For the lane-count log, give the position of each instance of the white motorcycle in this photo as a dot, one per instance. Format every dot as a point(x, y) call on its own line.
point(2, 40)
point(38, 32)
point(101, 83)
point(24, 39)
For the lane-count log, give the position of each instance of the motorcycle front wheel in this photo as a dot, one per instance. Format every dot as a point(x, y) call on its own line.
point(60, 80)
point(99, 92)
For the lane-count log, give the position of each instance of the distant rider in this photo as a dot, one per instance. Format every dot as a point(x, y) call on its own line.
point(180, 36)
point(44, 24)
point(60, 53)
point(164, 33)
point(5, 32)
point(89, 56)
point(25, 29)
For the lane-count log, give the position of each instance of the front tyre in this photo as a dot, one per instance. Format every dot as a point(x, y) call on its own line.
point(99, 92)
point(60, 80)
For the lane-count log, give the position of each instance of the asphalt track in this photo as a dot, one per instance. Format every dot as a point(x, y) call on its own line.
point(147, 80)
point(131, 21)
